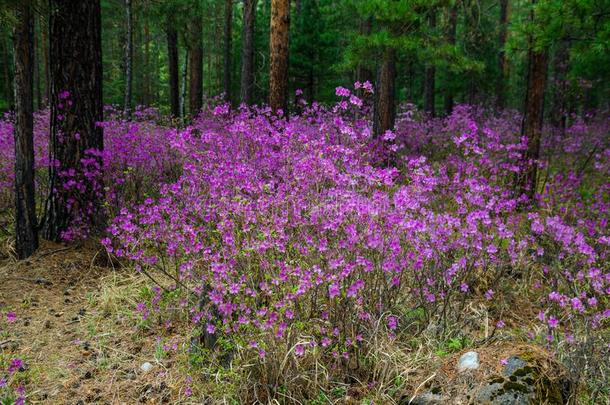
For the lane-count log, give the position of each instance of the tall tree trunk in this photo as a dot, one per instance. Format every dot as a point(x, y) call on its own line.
point(76, 107)
point(559, 108)
point(128, 60)
point(430, 75)
point(533, 117)
point(183, 90)
point(36, 61)
point(363, 73)
point(26, 233)
point(228, 33)
point(172, 59)
point(196, 67)
point(278, 72)
point(147, 96)
point(385, 108)
point(44, 29)
point(297, 8)
point(8, 80)
point(502, 67)
point(247, 53)
point(451, 37)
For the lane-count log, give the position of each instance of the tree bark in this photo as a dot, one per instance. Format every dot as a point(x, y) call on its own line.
point(128, 60)
point(533, 118)
point(183, 90)
point(45, 59)
point(385, 108)
point(196, 67)
point(279, 42)
point(172, 58)
point(363, 73)
point(147, 96)
point(561, 65)
point(430, 75)
point(36, 62)
point(451, 37)
point(228, 33)
point(26, 233)
point(502, 67)
point(76, 107)
point(8, 80)
point(247, 55)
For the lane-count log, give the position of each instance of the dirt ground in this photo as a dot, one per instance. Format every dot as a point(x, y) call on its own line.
point(78, 345)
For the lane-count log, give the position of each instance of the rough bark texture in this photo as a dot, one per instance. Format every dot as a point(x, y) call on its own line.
point(502, 66)
point(172, 59)
point(147, 93)
point(44, 31)
point(8, 81)
point(195, 68)
point(76, 107)
point(451, 37)
point(561, 66)
point(183, 90)
point(363, 73)
point(128, 59)
point(36, 61)
point(247, 53)
point(430, 76)
point(26, 233)
point(533, 118)
point(278, 74)
point(228, 33)
point(385, 109)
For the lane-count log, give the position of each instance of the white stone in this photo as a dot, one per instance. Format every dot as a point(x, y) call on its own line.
point(146, 367)
point(468, 361)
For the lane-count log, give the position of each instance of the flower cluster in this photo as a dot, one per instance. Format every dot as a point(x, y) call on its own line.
point(298, 232)
point(291, 228)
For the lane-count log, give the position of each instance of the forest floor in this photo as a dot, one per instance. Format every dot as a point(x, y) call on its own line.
point(83, 342)
point(79, 341)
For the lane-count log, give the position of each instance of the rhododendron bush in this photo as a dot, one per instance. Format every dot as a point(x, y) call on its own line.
point(307, 236)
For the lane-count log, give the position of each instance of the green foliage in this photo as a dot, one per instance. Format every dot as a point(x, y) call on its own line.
point(327, 44)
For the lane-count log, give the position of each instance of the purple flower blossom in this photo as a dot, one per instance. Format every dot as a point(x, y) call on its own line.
point(11, 317)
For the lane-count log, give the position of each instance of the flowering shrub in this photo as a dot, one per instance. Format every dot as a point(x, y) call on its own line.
point(12, 369)
point(137, 158)
point(292, 230)
point(298, 234)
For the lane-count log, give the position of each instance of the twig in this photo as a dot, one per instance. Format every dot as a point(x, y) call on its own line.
point(52, 252)
point(421, 385)
point(38, 280)
point(5, 342)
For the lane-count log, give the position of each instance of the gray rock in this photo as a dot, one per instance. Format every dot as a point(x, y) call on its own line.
point(468, 361)
point(520, 384)
point(513, 364)
point(427, 398)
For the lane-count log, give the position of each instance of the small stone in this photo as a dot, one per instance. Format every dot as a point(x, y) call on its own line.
point(146, 367)
point(468, 361)
point(513, 364)
point(428, 398)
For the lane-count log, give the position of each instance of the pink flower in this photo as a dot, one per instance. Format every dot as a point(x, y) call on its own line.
point(15, 365)
point(342, 92)
point(299, 350)
point(11, 317)
point(333, 290)
point(392, 322)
